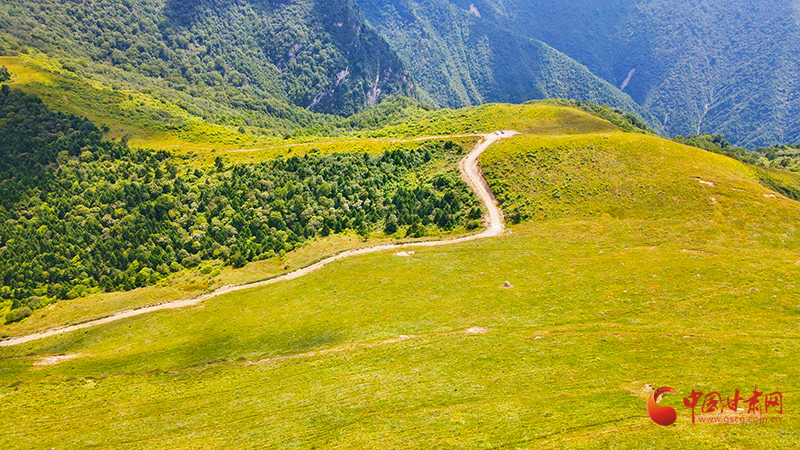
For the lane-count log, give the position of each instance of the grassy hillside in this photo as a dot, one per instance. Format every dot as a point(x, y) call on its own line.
point(535, 117)
point(167, 119)
point(201, 76)
point(539, 177)
point(211, 74)
point(79, 215)
point(171, 120)
point(645, 263)
point(83, 216)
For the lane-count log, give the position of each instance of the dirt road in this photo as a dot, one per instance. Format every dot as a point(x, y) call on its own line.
point(469, 171)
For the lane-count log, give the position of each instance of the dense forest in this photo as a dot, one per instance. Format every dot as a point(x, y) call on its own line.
point(79, 214)
point(683, 67)
point(459, 58)
point(275, 58)
point(715, 66)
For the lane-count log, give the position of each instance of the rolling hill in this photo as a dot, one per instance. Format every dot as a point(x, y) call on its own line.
point(176, 73)
point(240, 224)
point(198, 72)
point(690, 67)
point(636, 262)
point(202, 75)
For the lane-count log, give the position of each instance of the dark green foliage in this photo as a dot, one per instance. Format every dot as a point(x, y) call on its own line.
point(79, 215)
point(249, 55)
point(391, 225)
point(779, 185)
point(460, 59)
point(391, 111)
point(4, 75)
point(18, 314)
point(32, 136)
point(718, 144)
point(784, 157)
point(716, 66)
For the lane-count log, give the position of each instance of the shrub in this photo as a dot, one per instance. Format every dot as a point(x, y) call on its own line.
point(18, 314)
point(391, 225)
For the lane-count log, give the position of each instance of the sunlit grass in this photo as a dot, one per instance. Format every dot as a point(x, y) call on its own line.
point(640, 263)
point(599, 309)
point(145, 120)
point(148, 121)
point(646, 263)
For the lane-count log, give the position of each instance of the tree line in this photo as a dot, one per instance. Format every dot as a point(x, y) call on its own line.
point(79, 214)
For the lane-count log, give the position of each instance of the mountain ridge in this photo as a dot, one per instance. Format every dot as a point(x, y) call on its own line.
point(249, 54)
point(459, 59)
point(698, 67)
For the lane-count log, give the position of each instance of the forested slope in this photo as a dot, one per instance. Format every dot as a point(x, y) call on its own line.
point(685, 67)
point(713, 66)
point(79, 214)
point(460, 59)
point(272, 57)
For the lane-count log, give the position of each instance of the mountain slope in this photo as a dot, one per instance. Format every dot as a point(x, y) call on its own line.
point(459, 59)
point(698, 67)
point(634, 272)
point(81, 215)
point(249, 55)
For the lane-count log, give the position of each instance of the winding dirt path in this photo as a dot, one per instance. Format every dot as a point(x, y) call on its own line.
point(469, 171)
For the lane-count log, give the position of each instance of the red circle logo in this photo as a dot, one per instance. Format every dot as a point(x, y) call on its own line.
point(662, 415)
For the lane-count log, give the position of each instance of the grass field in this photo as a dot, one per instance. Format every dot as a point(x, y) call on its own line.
point(535, 117)
point(146, 120)
point(643, 263)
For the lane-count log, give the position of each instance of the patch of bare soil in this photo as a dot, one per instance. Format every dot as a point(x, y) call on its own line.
point(52, 360)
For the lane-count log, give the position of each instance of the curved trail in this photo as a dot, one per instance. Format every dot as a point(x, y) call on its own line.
point(469, 171)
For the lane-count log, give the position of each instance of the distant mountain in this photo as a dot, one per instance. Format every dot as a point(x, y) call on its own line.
point(704, 66)
point(459, 58)
point(693, 67)
point(249, 54)
point(686, 67)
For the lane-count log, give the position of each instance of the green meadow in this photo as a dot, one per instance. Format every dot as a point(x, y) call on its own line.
point(143, 117)
point(632, 263)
